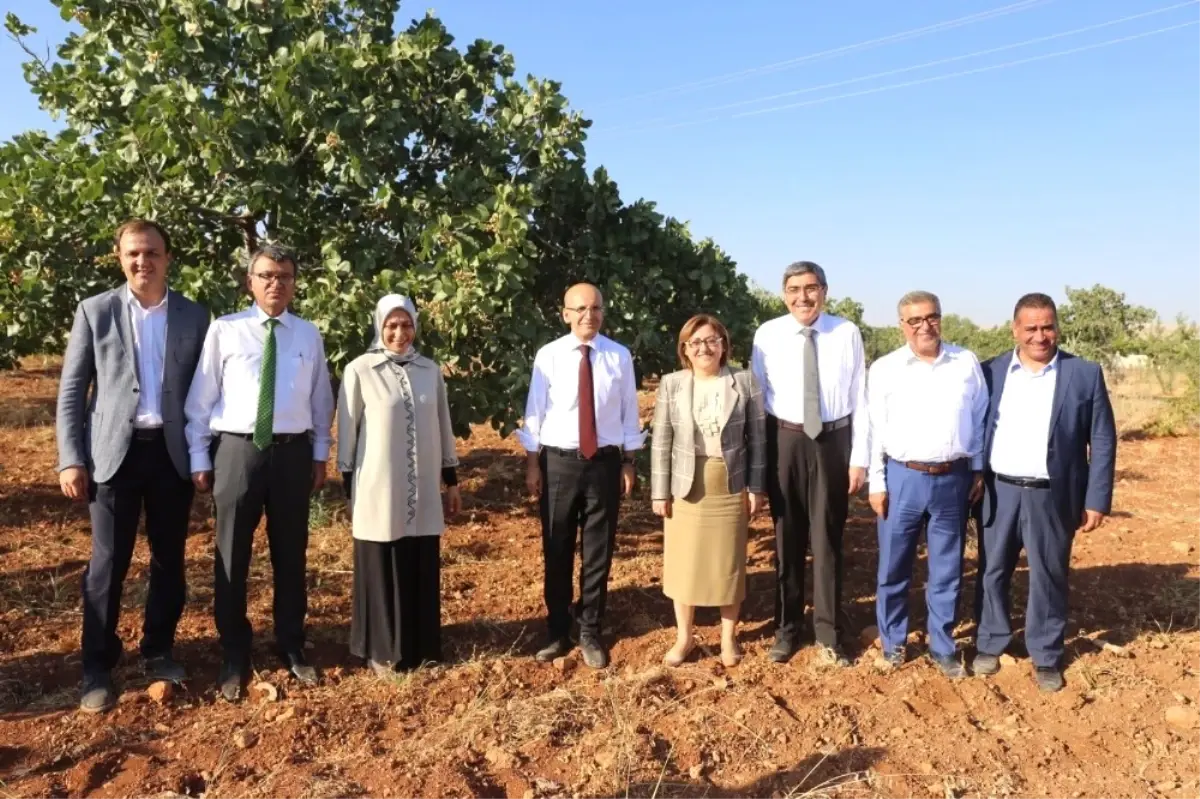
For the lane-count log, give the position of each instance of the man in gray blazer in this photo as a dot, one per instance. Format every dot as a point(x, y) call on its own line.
point(121, 446)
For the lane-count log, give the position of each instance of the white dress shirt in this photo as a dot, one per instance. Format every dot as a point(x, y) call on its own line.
point(925, 412)
point(1023, 421)
point(776, 360)
point(149, 346)
point(224, 393)
point(552, 408)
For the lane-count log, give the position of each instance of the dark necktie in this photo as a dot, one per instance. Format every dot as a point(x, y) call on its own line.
point(588, 443)
point(264, 420)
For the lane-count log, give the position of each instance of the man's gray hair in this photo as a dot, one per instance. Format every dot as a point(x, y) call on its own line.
point(276, 252)
point(916, 298)
point(805, 268)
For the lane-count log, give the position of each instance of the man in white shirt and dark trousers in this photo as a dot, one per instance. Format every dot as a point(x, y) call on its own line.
point(580, 432)
point(259, 416)
point(121, 448)
point(811, 366)
point(927, 406)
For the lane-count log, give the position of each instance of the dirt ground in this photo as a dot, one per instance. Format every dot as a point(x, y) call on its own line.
point(492, 722)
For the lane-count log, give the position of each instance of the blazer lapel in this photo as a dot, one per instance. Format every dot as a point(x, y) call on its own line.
point(683, 403)
point(729, 395)
point(1062, 379)
point(122, 322)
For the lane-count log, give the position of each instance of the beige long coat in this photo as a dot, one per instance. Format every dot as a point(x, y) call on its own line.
point(396, 446)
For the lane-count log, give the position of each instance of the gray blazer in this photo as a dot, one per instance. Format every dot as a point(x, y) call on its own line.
point(743, 436)
point(98, 391)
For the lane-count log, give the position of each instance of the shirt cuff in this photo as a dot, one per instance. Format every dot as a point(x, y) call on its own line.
point(977, 463)
point(201, 462)
point(527, 440)
point(320, 451)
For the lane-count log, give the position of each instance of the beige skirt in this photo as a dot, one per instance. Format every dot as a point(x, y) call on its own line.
point(704, 541)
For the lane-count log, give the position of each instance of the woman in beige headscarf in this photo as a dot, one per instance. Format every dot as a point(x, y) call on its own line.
point(708, 468)
point(396, 453)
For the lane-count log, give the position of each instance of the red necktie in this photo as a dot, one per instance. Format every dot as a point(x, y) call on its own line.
point(587, 405)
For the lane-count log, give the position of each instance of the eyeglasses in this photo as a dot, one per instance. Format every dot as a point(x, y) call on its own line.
point(283, 278)
point(595, 310)
point(915, 322)
point(809, 290)
point(712, 342)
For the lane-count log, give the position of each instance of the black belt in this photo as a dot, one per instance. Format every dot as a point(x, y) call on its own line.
point(1024, 482)
point(278, 438)
point(606, 451)
point(826, 427)
point(943, 467)
point(147, 433)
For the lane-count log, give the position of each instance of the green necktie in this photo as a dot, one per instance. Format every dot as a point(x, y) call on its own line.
point(264, 421)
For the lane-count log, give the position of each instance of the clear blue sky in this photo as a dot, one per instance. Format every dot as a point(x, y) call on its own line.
point(1070, 170)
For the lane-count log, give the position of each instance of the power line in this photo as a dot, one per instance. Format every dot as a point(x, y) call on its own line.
point(733, 77)
point(932, 79)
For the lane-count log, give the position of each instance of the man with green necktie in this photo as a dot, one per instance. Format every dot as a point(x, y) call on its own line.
point(259, 414)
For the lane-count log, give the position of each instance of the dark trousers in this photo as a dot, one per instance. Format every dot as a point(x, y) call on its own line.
point(1025, 518)
point(937, 502)
point(396, 612)
point(245, 482)
point(808, 481)
point(146, 480)
point(580, 499)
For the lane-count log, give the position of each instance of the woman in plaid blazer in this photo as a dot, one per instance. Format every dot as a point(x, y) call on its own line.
point(708, 476)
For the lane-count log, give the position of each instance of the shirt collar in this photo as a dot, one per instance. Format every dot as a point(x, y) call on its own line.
point(130, 299)
point(1016, 364)
point(260, 316)
point(943, 355)
point(819, 324)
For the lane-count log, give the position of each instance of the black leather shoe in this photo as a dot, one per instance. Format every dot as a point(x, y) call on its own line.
point(1049, 680)
point(950, 666)
point(98, 693)
point(833, 656)
point(297, 664)
point(594, 654)
point(557, 648)
point(782, 650)
point(162, 667)
point(233, 677)
point(985, 665)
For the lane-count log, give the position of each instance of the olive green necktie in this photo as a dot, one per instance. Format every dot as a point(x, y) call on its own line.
point(264, 421)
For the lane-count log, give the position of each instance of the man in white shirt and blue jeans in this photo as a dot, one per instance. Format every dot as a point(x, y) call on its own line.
point(580, 432)
point(811, 366)
point(927, 406)
point(259, 415)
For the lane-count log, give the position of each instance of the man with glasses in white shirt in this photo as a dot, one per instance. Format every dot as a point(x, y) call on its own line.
point(259, 416)
point(927, 406)
point(811, 366)
point(580, 433)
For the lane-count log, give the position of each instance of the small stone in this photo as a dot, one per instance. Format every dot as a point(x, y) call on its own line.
point(1182, 547)
point(244, 739)
point(498, 667)
point(529, 794)
point(926, 768)
point(605, 758)
point(163, 728)
point(161, 692)
point(564, 665)
point(783, 739)
point(869, 635)
point(916, 637)
point(1166, 785)
point(1119, 651)
point(265, 692)
point(500, 758)
point(285, 714)
point(696, 771)
point(1007, 660)
point(1181, 699)
point(720, 683)
point(1184, 718)
point(896, 732)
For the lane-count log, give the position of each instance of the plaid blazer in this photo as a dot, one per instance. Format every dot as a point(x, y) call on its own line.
point(743, 436)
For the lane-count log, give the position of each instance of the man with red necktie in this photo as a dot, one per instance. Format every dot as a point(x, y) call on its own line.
point(580, 433)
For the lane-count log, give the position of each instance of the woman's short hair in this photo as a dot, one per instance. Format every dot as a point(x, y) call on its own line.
point(689, 329)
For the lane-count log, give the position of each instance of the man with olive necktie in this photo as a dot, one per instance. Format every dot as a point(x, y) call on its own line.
point(580, 432)
point(259, 415)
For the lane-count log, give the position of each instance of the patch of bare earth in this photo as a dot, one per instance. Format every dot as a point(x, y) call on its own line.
point(492, 722)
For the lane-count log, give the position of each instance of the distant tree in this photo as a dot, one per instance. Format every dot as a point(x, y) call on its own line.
point(1098, 323)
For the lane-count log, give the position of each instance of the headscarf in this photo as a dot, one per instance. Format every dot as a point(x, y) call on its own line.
point(383, 308)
